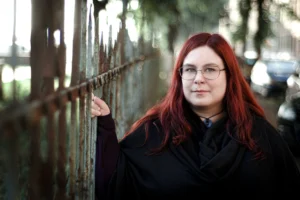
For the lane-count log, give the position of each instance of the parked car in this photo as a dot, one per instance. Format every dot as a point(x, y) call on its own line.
point(270, 76)
point(246, 63)
point(288, 117)
point(293, 82)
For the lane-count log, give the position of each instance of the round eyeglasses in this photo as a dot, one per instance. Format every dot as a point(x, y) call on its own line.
point(208, 72)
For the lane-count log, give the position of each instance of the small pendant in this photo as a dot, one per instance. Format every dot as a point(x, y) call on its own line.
point(207, 122)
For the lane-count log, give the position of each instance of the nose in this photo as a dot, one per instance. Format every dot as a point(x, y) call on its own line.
point(199, 78)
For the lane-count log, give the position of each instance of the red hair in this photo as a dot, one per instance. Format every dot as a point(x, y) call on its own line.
point(239, 101)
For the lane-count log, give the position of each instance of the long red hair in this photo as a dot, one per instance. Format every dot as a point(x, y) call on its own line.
point(239, 101)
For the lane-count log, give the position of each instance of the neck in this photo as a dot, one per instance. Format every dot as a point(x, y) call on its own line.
point(207, 120)
point(218, 113)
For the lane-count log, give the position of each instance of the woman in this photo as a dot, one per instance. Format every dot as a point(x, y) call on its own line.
point(207, 137)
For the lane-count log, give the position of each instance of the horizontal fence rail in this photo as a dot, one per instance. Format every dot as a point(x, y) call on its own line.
point(19, 116)
point(47, 138)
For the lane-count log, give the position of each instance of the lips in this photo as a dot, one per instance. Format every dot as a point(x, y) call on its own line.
point(200, 91)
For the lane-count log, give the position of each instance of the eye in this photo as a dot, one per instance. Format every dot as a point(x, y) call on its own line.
point(210, 69)
point(189, 69)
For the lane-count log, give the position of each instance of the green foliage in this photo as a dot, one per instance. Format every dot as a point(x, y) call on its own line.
point(263, 21)
point(264, 26)
point(166, 10)
point(242, 29)
point(288, 10)
point(22, 92)
point(201, 15)
point(163, 14)
point(167, 19)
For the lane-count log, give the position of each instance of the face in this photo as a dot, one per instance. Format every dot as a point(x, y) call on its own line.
point(201, 93)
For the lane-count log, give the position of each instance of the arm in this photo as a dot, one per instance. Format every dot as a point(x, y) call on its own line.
point(287, 168)
point(285, 164)
point(107, 147)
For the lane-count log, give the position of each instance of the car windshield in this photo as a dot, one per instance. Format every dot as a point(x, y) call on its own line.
point(281, 66)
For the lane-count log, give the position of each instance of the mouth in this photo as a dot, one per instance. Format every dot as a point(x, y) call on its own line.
point(200, 91)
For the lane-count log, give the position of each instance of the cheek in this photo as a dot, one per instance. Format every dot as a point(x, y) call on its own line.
point(221, 89)
point(222, 84)
point(223, 92)
point(186, 87)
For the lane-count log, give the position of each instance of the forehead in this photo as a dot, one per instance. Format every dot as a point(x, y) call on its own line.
point(201, 56)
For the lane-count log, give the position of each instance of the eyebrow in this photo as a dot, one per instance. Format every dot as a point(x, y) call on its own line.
point(206, 65)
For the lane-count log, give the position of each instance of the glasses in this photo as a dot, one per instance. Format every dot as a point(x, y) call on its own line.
point(208, 72)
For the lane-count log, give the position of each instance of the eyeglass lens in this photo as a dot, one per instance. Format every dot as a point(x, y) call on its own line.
point(208, 72)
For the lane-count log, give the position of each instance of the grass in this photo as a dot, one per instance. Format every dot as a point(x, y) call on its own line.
point(22, 92)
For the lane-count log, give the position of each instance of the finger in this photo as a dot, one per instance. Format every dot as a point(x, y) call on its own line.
point(104, 107)
point(95, 106)
point(95, 112)
point(100, 102)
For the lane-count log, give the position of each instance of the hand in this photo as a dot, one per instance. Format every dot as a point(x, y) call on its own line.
point(98, 107)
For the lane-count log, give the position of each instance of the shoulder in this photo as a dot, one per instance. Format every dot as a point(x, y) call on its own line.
point(263, 128)
point(268, 137)
point(138, 137)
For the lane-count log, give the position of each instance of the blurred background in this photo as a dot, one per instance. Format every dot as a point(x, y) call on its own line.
point(265, 35)
point(262, 29)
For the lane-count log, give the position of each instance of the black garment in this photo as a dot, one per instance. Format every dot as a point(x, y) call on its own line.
point(107, 152)
point(210, 163)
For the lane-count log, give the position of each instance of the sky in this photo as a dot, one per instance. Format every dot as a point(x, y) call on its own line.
point(23, 22)
point(23, 27)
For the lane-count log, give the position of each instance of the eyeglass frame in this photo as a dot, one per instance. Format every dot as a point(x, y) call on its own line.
point(180, 73)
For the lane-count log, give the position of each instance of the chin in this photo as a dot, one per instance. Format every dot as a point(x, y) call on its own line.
point(198, 104)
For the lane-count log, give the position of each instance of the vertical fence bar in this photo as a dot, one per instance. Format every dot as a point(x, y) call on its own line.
point(74, 129)
point(50, 169)
point(34, 175)
point(38, 46)
point(62, 152)
point(81, 168)
point(14, 52)
point(62, 130)
point(37, 60)
point(62, 161)
point(88, 130)
point(95, 70)
point(82, 104)
point(1, 87)
point(11, 163)
point(74, 139)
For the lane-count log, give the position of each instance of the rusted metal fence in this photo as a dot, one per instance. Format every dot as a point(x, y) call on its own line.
point(47, 142)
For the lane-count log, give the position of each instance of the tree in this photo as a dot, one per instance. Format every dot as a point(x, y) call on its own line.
point(167, 19)
point(242, 30)
point(264, 30)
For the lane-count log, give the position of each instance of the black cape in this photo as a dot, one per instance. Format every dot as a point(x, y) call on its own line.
point(211, 163)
